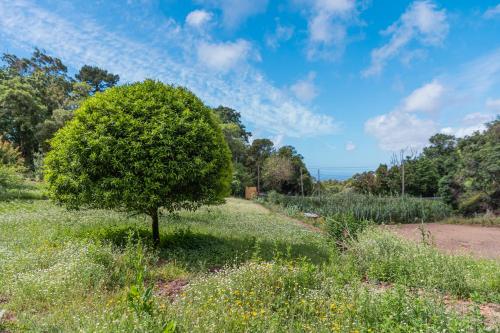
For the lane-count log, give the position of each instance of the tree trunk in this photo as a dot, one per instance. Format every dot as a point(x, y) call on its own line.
point(156, 228)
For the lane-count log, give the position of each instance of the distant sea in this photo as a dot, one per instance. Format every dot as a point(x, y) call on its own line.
point(336, 177)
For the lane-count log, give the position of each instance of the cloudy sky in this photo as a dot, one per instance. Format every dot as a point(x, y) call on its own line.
point(346, 82)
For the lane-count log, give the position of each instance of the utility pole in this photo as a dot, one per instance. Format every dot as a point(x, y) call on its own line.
point(319, 185)
point(258, 179)
point(301, 183)
point(402, 173)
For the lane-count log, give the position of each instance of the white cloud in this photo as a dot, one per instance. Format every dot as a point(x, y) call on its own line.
point(479, 75)
point(425, 99)
point(422, 21)
point(471, 123)
point(350, 146)
point(270, 109)
point(492, 12)
point(478, 118)
point(406, 127)
point(400, 130)
point(281, 34)
point(198, 18)
point(328, 21)
point(235, 12)
point(493, 104)
point(335, 6)
point(460, 132)
point(305, 90)
point(224, 56)
point(278, 140)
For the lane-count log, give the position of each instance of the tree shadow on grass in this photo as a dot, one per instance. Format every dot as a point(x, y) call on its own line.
point(200, 251)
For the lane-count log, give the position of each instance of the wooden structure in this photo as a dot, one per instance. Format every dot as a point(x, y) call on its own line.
point(250, 192)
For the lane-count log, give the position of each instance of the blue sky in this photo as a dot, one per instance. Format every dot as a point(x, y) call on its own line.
point(346, 82)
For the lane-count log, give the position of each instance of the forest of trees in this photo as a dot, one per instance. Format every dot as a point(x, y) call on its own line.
point(464, 172)
point(260, 163)
point(38, 96)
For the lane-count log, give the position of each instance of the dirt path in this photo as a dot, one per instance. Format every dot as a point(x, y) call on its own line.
point(481, 242)
point(292, 220)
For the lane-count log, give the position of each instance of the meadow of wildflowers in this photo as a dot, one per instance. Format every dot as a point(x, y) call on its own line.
point(244, 269)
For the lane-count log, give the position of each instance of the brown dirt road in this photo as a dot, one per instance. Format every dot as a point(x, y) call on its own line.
point(478, 241)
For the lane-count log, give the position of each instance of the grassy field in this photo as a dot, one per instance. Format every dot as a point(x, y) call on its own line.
point(238, 267)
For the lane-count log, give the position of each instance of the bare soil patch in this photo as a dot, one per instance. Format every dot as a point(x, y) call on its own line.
point(291, 219)
point(478, 241)
point(490, 311)
point(170, 289)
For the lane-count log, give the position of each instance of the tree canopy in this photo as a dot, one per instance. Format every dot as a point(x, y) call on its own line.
point(37, 97)
point(139, 148)
point(97, 78)
point(464, 172)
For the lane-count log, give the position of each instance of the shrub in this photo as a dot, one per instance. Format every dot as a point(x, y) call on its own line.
point(10, 167)
point(140, 147)
point(344, 228)
point(474, 203)
point(9, 178)
point(9, 155)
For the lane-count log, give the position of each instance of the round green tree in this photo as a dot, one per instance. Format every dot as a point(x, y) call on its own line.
point(140, 148)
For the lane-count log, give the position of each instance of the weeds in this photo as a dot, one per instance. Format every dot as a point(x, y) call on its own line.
point(488, 219)
point(345, 228)
point(295, 296)
point(94, 271)
point(366, 207)
point(381, 256)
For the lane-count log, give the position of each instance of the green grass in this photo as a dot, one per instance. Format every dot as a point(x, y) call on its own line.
point(25, 190)
point(365, 207)
point(381, 257)
point(299, 297)
point(248, 269)
point(487, 220)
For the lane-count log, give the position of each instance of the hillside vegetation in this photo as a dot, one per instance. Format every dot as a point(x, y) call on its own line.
point(464, 172)
point(237, 267)
point(365, 207)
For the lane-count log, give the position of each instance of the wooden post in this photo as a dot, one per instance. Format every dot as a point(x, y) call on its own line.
point(402, 173)
point(319, 185)
point(301, 183)
point(155, 226)
point(258, 179)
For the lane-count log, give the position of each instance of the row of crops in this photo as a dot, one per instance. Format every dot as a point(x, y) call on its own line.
point(366, 207)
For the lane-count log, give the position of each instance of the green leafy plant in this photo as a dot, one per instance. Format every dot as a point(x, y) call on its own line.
point(388, 209)
point(344, 228)
point(140, 148)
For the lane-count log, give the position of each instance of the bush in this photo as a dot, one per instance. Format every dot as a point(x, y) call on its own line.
point(9, 155)
point(140, 148)
point(10, 167)
point(474, 203)
point(9, 177)
point(344, 228)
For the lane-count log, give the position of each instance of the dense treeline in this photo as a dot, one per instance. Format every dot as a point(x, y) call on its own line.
point(38, 96)
point(464, 172)
point(261, 163)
